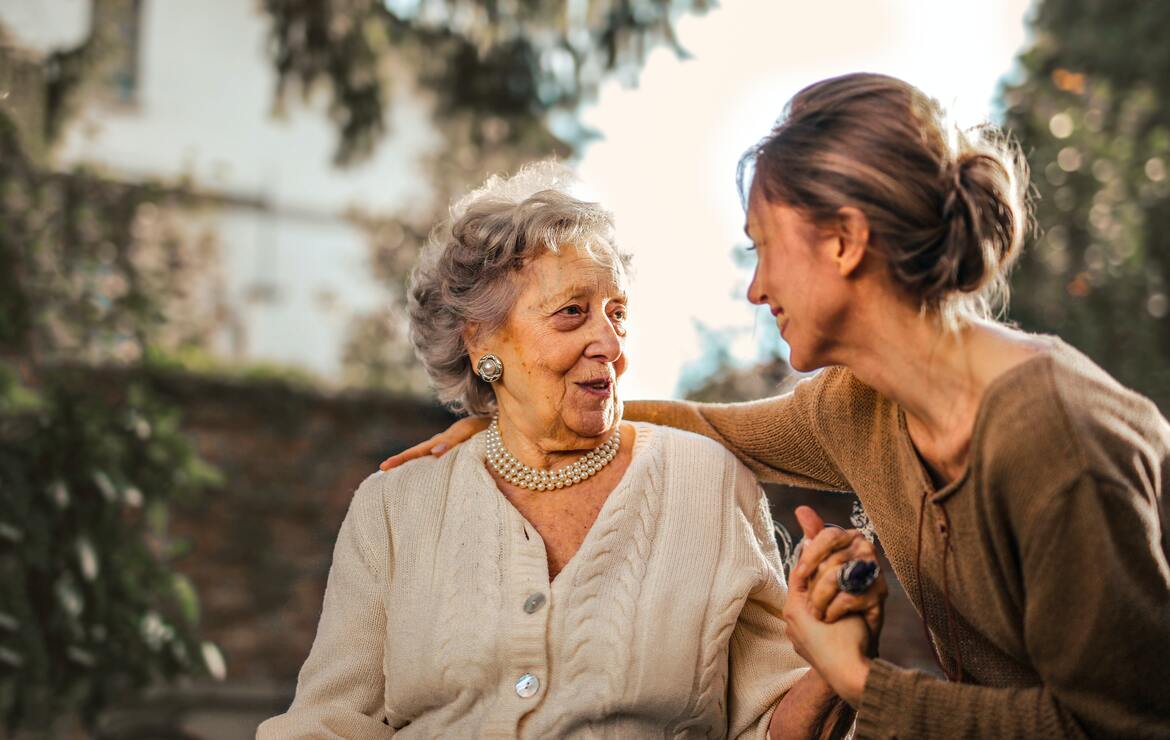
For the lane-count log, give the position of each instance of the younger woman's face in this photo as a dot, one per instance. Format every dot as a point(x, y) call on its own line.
point(797, 278)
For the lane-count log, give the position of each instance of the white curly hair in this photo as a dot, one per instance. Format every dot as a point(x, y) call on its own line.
point(467, 275)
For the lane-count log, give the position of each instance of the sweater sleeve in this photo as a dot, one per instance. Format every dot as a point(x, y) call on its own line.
point(776, 437)
point(763, 664)
point(340, 687)
point(1096, 627)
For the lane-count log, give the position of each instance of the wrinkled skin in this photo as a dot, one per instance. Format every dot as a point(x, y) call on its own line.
point(562, 347)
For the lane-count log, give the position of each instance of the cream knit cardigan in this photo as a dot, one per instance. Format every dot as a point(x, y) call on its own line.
point(665, 623)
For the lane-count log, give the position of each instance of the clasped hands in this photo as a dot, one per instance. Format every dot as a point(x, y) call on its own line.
point(836, 632)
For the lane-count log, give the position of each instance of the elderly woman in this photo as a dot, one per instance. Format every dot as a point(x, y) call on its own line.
point(564, 573)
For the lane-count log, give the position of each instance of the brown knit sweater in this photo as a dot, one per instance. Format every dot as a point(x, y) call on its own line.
point(1043, 574)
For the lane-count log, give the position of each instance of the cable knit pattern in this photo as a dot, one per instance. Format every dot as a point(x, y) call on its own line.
point(715, 642)
point(665, 622)
point(1056, 586)
point(474, 578)
point(615, 572)
point(711, 675)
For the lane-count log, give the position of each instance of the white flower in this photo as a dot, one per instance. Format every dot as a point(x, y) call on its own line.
point(59, 492)
point(105, 485)
point(132, 496)
point(11, 657)
point(10, 532)
point(80, 655)
point(140, 426)
point(88, 559)
point(213, 659)
point(69, 598)
point(154, 630)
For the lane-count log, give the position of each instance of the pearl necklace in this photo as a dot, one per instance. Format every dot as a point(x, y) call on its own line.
point(536, 479)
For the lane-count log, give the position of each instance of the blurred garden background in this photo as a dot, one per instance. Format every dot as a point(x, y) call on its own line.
point(208, 211)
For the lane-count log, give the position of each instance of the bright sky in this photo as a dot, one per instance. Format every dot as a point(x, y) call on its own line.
point(666, 164)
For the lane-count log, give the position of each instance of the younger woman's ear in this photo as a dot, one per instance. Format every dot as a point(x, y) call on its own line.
point(852, 240)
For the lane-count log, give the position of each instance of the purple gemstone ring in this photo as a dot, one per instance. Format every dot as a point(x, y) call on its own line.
point(856, 576)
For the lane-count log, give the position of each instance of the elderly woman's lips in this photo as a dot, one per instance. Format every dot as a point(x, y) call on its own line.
point(597, 387)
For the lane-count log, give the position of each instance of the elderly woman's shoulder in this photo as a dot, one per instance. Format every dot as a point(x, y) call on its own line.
point(421, 477)
point(670, 436)
point(699, 460)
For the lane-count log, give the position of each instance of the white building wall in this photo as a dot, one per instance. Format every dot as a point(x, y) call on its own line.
point(315, 270)
point(45, 25)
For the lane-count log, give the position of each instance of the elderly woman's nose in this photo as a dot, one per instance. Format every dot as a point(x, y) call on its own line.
point(605, 340)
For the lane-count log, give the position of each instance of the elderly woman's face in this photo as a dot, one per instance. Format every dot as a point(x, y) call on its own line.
point(562, 347)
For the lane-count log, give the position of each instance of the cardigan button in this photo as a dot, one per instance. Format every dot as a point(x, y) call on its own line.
point(527, 686)
point(533, 602)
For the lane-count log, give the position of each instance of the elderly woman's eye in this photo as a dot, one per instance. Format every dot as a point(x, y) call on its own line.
point(573, 310)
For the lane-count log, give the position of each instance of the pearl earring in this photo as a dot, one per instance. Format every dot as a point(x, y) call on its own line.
point(489, 368)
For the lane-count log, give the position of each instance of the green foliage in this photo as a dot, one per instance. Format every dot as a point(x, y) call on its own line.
point(92, 608)
point(1093, 115)
point(509, 62)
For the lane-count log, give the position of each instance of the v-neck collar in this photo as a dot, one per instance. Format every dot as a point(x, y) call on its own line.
point(994, 389)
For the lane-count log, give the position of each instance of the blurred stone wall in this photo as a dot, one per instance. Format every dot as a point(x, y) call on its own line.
point(291, 460)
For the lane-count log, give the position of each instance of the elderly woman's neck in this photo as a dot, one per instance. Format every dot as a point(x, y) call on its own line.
point(551, 445)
